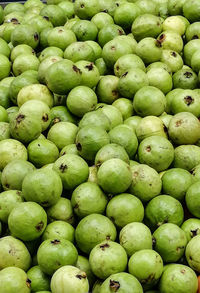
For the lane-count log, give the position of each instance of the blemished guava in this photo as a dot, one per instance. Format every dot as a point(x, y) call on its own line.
point(72, 279)
point(44, 65)
point(27, 221)
point(54, 13)
point(113, 114)
point(92, 230)
point(39, 280)
point(72, 169)
point(15, 253)
point(50, 52)
point(62, 211)
point(12, 279)
point(89, 73)
point(138, 231)
point(8, 201)
point(59, 229)
point(88, 198)
point(178, 278)
point(191, 228)
point(85, 9)
point(61, 37)
point(61, 113)
point(125, 106)
point(84, 265)
point(55, 253)
point(25, 34)
point(69, 149)
point(42, 186)
point(122, 283)
point(186, 157)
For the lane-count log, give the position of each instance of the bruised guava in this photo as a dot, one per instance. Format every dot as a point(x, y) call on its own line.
point(59, 229)
point(83, 264)
point(191, 228)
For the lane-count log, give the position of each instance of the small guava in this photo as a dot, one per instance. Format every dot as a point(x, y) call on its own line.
point(191, 228)
point(107, 90)
point(39, 280)
point(95, 118)
point(186, 156)
point(59, 229)
point(89, 73)
point(125, 106)
point(84, 265)
point(24, 63)
point(44, 65)
point(8, 201)
point(161, 79)
point(62, 211)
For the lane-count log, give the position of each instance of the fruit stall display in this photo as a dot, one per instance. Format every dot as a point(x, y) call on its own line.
point(100, 146)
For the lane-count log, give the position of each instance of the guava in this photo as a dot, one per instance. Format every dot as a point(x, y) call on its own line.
point(147, 266)
point(44, 65)
point(32, 3)
point(113, 114)
point(4, 130)
point(125, 106)
point(68, 8)
point(39, 280)
point(25, 62)
point(84, 265)
point(79, 51)
point(27, 221)
point(108, 33)
point(121, 283)
point(97, 286)
point(85, 30)
point(146, 183)
point(15, 253)
point(92, 230)
point(174, 23)
point(124, 136)
point(25, 34)
point(176, 182)
point(189, 49)
point(160, 78)
point(35, 92)
point(89, 73)
point(101, 19)
point(4, 49)
point(72, 279)
point(61, 37)
point(62, 76)
point(184, 129)
point(146, 25)
point(178, 278)
point(185, 78)
point(107, 258)
point(126, 62)
point(163, 209)
point(192, 199)
point(72, 169)
point(125, 14)
point(95, 118)
point(192, 11)
point(12, 279)
point(54, 13)
point(195, 173)
point(40, 23)
point(141, 235)
point(69, 149)
point(62, 211)
point(50, 51)
point(157, 65)
point(42, 186)
point(81, 100)
point(4, 98)
point(61, 113)
point(170, 242)
point(146, 7)
point(131, 81)
point(85, 9)
point(3, 114)
point(11, 149)
point(171, 40)
point(175, 7)
point(25, 128)
point(7, 81)
point(55, 253)
point(88, 199)
point(191, 227)
point(125, 208)
point(186, 156)
point(59, 229)
point(172, 59)
point(5, 66)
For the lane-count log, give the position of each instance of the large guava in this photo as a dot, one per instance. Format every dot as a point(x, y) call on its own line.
point(59, 229)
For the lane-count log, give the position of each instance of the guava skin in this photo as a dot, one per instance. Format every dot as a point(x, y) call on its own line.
point(59, 229)
point(92, 230)
point(39, 280)
point(52, 254)
point(186, 156)
point(84, 265)
point(191, 228)
point(15, 253)
point(9, 200)
point(140, 232)
point(107, 258)
point(192, 199)
point(73, 279)
point(12, 279)
point(62, 211)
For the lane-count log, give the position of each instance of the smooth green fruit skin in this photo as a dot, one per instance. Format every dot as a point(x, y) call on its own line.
point(8, 201)
point(12, 279)
point(83, 264)
point(191, 228)
point(124, 281)
point(192, 199)
point(21, 258)
point(59, 229)
point(62, 211)
point(39, 281)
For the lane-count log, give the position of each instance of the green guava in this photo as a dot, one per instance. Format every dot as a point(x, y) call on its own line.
point(39, 280)
point(78, 51)
point(12, 279)
point(4, 130)
point(113, 114)
point(5, 66)
point(107, 90)
point(15, 253)
point(4, 48)
point(89, 73)
point(121, 283)
point(88, 199)
point(62, 211)
point(141, 235)
point(148, 49)
point(40, 23)
point(192, 11)
point(185, 78)
point(61, 37)
point(192, 199)
point(157, 65)
point(72, 169)
point(195, 173)
point(4, 97)
point(108, 33)
point(10, 150)
point(85, 9)
point(85, 30)
point(25, 34)
point(107, 258)
point(160, 78)
point(170, 241)
point(92, 230)
point(69, 149)
point(191, 227)
point(3, 114)
point(147, 266)
point(172, 59)
point(125, 106)
point(50, 51)
point(163, 209)
point(9, 200)
point(186, 156)
point(95, 118)
point(171, 40)
point(84, 265)
point(27, 221)
point(44, 65)
point(96, 48)
point(102, 19)
point(60, 113)
point(176, 182)
point(59, 229)
point(25, 62)
point(125, 208)
point(68, 8)
point(81, 100)
point(72, 279)
point(97, 286)
point(55, 253)
point(127, 62)
point(55, 14)
point(175, 23)
point(178, 278)
point(125, 14)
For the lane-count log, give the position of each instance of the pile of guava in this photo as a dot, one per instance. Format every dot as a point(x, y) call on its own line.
point(100, 146)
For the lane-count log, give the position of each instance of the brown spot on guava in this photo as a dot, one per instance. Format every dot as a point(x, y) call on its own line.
point(108, 237)
point(148, 148)
point(7, 185)
point(38, 144)
point(173, 54)
point(190, 257)
point(188, 74)
point(20, 118)
point(45, 117)
point(117, 67)
point(14, 20)
point(183, 271)
point(149, 279)
point(63, 168)
point(194, 232)
point(76, 69)
point(188, 100)
point(125, 74)
point(157, 43)
point(82, 5)
point(135, 174)
point(76, 206)
point(36, 37)
point(180, 248)
point(178, 123)
point(120, 32)
point(81, 276)
point(161, 39)
point(60, 31)
point(195, 37)
point(39, 226)
point(103, 246)
point(79, 147)
point(114, 285)
point(90, 66)
point(56, 120)
point(112, 48)
point(55, 242)
point(28, 283)
point(46, 17)
point(114, 93)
